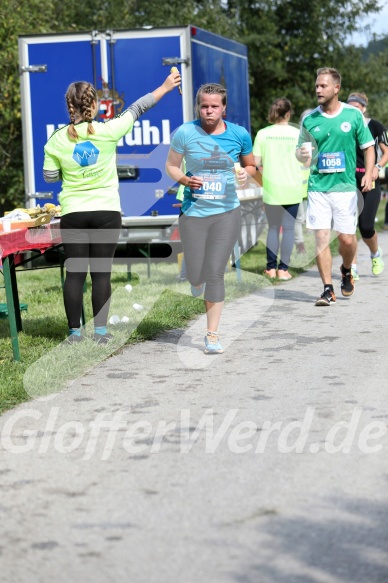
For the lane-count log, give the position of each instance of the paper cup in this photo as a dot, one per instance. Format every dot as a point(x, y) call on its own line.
point(309, 147)
point(7, 225)
point(115, 319)
point(237, 168)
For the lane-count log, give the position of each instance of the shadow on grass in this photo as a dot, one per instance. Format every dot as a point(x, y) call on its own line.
point(47, 327)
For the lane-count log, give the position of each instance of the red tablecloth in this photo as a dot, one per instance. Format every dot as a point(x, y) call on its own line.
point(20, 240)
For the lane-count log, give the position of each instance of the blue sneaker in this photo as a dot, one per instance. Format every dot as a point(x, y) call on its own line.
point(197, 291)
point(212, 344)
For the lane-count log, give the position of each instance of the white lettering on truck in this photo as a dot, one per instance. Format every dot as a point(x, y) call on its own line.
point(143, 133)
point(50, 128)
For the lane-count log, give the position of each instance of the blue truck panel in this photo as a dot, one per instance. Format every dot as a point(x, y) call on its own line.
point(227, 69)
point(220, 60)
point(66, 62)
point(221, 42)
point(138, 70)
point(124, 65)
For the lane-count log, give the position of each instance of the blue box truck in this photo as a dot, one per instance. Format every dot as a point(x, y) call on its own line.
point(124, 65)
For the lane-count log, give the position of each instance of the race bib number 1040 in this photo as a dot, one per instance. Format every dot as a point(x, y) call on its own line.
point(213, 187)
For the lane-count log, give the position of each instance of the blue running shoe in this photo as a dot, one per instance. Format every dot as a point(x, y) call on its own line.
point(197, 291)
point(212, 344)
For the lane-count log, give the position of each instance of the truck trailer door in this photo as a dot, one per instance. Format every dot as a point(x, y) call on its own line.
point(48, 64)
point(218, 59)
point(136, 67)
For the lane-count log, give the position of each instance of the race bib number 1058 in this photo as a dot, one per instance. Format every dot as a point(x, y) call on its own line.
point(329, 162)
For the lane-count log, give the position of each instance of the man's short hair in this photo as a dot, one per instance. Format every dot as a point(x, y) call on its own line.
point(332, 72)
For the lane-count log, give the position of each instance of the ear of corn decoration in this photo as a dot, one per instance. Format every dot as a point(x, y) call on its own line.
point(175, 70)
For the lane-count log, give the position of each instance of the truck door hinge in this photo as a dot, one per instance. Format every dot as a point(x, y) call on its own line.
point(94, 35)
point(175, 61)
point(110, 37)
point(33, 69)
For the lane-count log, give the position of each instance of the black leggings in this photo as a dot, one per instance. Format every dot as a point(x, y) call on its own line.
point(89, 239)
point(207, 245)
point(366, 219)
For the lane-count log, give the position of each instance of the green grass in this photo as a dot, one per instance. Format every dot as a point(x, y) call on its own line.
point(47, 365)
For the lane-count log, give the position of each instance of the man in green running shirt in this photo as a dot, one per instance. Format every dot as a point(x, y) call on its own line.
point(334, 129)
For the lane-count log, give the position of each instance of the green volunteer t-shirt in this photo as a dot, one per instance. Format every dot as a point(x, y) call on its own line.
point(88, 165)
point(334, 139)
point(282, 173)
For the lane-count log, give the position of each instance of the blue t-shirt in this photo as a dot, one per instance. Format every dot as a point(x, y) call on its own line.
point(213, 158)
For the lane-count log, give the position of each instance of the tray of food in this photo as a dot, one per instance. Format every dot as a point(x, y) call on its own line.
point(23, 218)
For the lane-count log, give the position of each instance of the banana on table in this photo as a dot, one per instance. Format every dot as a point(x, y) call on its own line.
point(49, 208)
point(33, 217)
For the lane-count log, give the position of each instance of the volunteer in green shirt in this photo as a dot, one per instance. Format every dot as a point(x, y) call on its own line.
point(274, 151)
point(83, 156)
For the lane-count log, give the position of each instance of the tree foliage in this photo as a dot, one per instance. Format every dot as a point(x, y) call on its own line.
point(287, 41)
point(16, 17)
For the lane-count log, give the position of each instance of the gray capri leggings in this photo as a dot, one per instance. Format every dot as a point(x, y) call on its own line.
point(207, 245)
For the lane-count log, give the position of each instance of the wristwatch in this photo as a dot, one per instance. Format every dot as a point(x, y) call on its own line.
point(378, 166)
